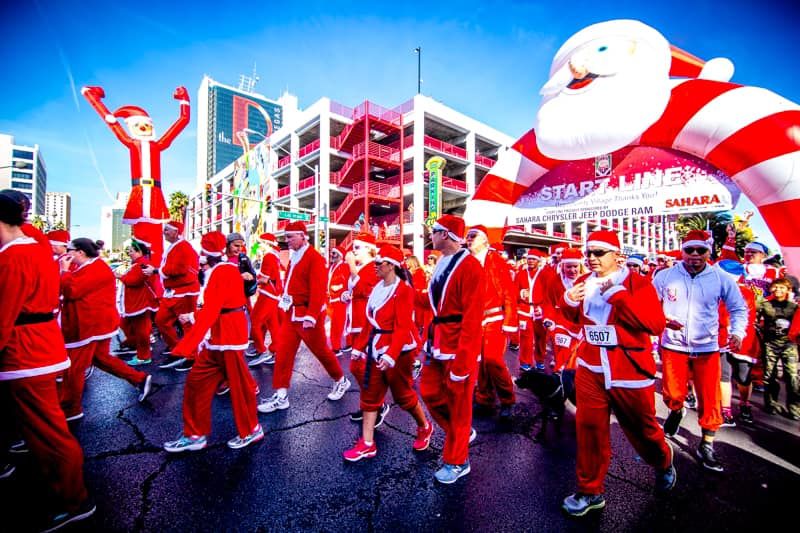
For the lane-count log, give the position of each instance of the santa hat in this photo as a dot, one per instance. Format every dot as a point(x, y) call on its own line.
point(392, 254)
point(174, 224)
point(533, 253)
point(754, 246)
point(605, 239)
point(481, 228)
point(213, 243)
point(696, 238)
point(685, 65)
point(58, 237)
point(132, 113)
point(338, 250)
point(366, 239)
point(453, 225)
point(268, 238)
point(637, 260)
point(558, 246)
point(572, 256)
point(296, 226)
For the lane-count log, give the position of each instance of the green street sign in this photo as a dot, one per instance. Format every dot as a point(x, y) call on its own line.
point(324, 219)
point(291, 215)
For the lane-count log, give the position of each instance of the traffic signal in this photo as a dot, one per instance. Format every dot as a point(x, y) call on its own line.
point(208, 193)
point(322, 243)
point(269, 204)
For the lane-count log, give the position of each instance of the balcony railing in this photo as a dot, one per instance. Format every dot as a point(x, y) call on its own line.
point(305, 183)
point(283, 161)
point(482, 160)
point(447, 182)
point(309, 148)
point(445, 147)
point(283, 192)
point(374, 149)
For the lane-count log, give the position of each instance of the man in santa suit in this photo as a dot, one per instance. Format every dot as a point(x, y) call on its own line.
point(139, 301)
point(499, 319)
point(303, 306)
point(178, 270)
point(455, 294)
point(266, 316)
point(59, 239)
point(528, 288)
point(757, 274)
point(33, 353)
point(221, 358)
point(338, 276)
point(565, 335)
point(619, 312)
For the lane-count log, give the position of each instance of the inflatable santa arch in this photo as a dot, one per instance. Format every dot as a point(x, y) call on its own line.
point(618, 84)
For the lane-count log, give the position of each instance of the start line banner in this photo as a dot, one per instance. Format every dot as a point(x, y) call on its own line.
point(631, 182)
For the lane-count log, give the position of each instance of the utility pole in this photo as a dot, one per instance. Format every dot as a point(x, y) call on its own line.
point(418, 50)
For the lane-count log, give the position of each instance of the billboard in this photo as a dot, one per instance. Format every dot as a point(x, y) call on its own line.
point(631, 182)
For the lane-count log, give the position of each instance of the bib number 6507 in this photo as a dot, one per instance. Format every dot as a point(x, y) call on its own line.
point(601, 335)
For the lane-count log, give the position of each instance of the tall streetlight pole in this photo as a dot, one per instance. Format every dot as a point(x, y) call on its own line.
point(418, 50)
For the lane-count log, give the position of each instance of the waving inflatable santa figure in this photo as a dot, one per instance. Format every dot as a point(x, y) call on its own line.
point(146, 203)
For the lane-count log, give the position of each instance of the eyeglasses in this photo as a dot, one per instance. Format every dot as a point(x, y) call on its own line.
point(596, 253)
point(691, 250)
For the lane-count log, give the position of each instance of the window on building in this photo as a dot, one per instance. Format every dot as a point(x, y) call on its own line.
point(21, 175)
point(23, 154)
point(21, 185)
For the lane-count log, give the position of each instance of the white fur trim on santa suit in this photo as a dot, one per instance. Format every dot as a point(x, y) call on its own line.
point(379, 259)
point(59, 243)
point(212, 254)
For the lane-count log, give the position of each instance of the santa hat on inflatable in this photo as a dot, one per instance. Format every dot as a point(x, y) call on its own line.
point(269, 238)
point(571, 256)
point(213, 243)
point(390, 254)
point(453, 225)
point(58, 237)
point(604, 239)
point(133, 114)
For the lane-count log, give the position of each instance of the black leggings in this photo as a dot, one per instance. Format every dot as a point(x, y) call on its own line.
point(739, 369)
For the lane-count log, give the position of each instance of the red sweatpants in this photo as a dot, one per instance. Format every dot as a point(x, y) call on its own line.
point(526, 340)
point(493, 375)
point(706, 376)
point(95, 353)
point(338, 321)
point(635, 411)
point(539, 342)
point(167, 316)
point(450, 404)
point(33, 403)
point(137, 331)
point(397, 379)
point(265, 317)
point(291, 333)
point(211, 368)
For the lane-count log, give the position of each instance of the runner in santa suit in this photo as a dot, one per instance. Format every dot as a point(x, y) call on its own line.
point(455, 294)
point(528, 288)
point(388, 345)
point(565, 335)
point(499, 319)
point(619, 312)
point(139, 301)
point(266, 315)
point(360, 283)
point(31, 354)
point(422, 314)
point(338, 275)
point(757, 274)
point(59, 240)
point(178, 271)
point(221, 357)
point(89, 319)
point(303, 319)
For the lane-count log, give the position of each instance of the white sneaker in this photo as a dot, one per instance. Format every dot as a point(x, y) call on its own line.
point(275, 403)
point(339, 388)
point(240, 442)
point(473, 435)
point(264, 358)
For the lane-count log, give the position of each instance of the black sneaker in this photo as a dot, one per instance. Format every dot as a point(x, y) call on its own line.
point(513, 347)
point(384, 410)
point(691, 401)
point(673, 422)
point(728, 421)
point(184, 365)
point(6, 469)
point(357, 416)
point(171, 361)
point(746, 415)
point(19, 447)
point(705, 452)
point(60, 520)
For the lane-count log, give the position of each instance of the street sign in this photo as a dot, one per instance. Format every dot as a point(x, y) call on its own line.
point(324, 219)
point(291, 215)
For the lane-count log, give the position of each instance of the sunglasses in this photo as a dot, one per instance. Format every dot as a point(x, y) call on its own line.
point(691, 250)
point(435, 231)
point(596, 253)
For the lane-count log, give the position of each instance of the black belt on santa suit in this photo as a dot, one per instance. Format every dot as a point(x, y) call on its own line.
point(438, 319)
point(146, 181)
point(232, 310)
point(26, 319)
point(367, 370)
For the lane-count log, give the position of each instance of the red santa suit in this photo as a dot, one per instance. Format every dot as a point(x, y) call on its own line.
point(33, 352)
point(221, 357)
point(178, 271)
point(360, 287)
point(422, 313)
point(139, 300)
point(387, 335)
point(566, 336)
point(303, 299)
point(338, 276)
point(610, 379)
point(531, 332)
point(265, 316)
point(89, 319)
point(499, 319)
point(447, 382)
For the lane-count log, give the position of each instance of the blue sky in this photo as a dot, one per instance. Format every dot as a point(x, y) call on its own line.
point(485, 59)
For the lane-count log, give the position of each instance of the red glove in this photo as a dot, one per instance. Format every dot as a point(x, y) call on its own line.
point(181, 94)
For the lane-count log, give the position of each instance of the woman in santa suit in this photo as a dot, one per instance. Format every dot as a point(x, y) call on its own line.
point(139, 300)
point(32, 350)
point(266, 314)
point(221, 357)
point(388, 348)
point(89, 319)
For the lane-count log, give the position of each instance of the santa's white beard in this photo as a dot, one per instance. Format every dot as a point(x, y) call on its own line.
point(608, 114)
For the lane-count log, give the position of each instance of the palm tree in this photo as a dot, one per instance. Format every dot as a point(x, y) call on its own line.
point(39, 223)
point(177, 205)
point(717, 224)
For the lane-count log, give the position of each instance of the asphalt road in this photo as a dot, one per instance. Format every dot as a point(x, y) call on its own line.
point(296, 480)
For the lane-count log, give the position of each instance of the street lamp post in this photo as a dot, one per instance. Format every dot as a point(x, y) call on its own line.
point(15, 164)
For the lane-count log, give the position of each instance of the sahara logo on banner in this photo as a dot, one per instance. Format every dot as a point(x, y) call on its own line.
point(634, 181)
